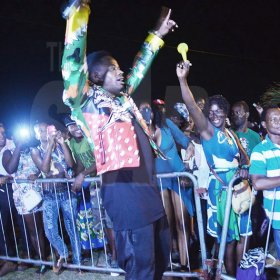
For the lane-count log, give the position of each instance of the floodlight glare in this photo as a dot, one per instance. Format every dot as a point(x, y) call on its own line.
point(24, 132)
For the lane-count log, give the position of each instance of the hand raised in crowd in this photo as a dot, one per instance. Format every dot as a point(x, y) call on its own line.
point(259, 108)
point(183, 69)
point(165, 24)
point(51, 134)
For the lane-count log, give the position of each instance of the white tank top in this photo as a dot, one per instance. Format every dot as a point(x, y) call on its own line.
point(9, 146)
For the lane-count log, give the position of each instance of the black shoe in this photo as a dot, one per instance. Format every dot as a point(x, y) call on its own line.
point(184, 268)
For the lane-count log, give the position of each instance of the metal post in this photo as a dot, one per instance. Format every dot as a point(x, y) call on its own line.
point(198, 213)
point(225, 228)
point(200, 229)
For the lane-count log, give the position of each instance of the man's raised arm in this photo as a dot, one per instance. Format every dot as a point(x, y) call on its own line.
point(149, 50)
point(74, 67)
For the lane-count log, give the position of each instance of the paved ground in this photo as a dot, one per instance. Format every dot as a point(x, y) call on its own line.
point(30, 274)
point(99, 261)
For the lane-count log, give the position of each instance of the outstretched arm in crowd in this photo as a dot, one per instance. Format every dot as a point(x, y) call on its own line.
point(201, 122)
point(178, 135)
point(74, 66)
point(149, 50)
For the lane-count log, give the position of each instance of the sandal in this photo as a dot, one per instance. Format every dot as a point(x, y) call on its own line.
point(57, 269)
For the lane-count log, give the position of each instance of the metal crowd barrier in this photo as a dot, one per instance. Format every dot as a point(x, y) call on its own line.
point(40, 261)
point(203, 273)
point(219, 274)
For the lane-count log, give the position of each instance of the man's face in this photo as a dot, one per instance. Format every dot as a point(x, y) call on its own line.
point(238, 115)
point(217, 116)
point(2, 137)
point(75, 131)
point(201, 103)
point(272, 121)
point(114, 80)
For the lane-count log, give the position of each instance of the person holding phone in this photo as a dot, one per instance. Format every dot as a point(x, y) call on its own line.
point(53, 158)
point(100, 102)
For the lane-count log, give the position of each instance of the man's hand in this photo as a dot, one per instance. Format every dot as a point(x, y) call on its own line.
point(259, 108)
point(77, 185)
point(243, 173)
point(183, 69)
point(165, 24)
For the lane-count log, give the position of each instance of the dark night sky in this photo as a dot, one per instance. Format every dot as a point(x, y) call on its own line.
point(234, 48)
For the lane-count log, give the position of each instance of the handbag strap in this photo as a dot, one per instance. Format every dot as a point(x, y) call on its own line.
point(234, 138)
point(216, 175)
point(241, 190)
point(244, 160)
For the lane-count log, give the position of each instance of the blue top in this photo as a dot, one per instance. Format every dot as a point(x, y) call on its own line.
point(171, 135)
point(221, 150)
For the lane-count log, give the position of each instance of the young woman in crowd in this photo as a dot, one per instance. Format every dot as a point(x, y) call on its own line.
point(223, 153)
point(167, 135)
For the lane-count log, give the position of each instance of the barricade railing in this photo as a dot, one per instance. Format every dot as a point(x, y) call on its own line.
point(223, 243)
point(94, 266)
point(177, 175)
point(225, 230)
point(97, 268)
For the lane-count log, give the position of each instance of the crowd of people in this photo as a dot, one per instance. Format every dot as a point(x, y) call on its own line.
point(144, 220)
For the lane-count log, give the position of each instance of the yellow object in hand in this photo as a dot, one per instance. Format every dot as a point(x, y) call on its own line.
point(183, 48)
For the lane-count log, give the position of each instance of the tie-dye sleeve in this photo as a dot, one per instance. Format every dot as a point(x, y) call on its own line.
point(143, 61)
point(74, 67)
